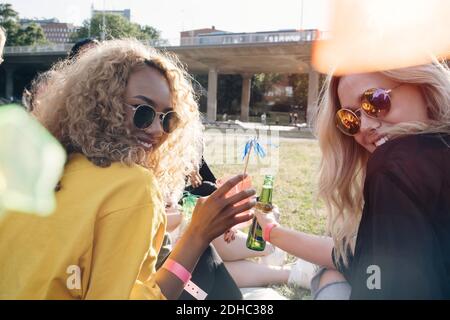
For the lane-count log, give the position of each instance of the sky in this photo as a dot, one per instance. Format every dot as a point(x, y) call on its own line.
point(173, 16)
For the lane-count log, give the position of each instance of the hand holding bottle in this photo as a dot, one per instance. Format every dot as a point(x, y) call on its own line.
point(215, 214)
point(265, 218)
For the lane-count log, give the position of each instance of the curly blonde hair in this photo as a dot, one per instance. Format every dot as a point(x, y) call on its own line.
point(343, 165)
point(83, 107)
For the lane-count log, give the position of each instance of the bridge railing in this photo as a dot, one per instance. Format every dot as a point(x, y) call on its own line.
point(259, 37)
point(53, 47)
point(200, 40)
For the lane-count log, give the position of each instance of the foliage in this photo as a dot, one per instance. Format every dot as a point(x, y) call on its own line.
point(17, 35)
point(116, 27)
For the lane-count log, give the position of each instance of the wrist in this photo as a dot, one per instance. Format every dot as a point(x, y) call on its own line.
point(268, 229)
point(195, 238)
point(178, 270)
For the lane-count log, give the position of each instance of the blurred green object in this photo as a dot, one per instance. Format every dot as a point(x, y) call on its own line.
point(31, 163)
point(188, 204)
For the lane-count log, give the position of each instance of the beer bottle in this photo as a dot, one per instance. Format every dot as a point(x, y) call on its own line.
point(255, 239)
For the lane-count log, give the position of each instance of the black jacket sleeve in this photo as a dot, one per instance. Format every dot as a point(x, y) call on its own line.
point(396, 255)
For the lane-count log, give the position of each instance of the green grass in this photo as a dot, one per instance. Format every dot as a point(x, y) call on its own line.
point(294, 190)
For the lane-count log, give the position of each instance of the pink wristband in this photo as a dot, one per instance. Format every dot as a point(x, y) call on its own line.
point(268, 229)
point(178, 270)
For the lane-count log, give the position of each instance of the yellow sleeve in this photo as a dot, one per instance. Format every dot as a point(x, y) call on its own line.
point(123, 240)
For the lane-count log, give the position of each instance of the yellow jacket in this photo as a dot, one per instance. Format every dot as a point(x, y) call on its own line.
point(101, 242)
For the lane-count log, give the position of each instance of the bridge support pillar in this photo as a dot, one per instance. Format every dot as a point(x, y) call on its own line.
point(313, 94)
point(245, 98)
point(9, 90)
point(211, 111)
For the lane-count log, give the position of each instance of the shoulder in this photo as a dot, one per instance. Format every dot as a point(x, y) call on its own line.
point(117, 171)
point(409, 154)
point(119, 185)
point(416, 164)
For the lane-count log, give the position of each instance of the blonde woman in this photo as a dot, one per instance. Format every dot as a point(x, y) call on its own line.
point(385, 180)
point(127, 117)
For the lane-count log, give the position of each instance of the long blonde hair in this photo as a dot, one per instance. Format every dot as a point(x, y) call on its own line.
point(83, 107)
point(343, 165)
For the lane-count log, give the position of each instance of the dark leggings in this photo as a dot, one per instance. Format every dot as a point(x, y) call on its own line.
point(212, 277)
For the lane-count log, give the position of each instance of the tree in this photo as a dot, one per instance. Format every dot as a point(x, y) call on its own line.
point(16, 35)
point(150, 32)
point(299, 83)
point(261, 83)
point(116, 27)
point(32, 34)
point(7, 13)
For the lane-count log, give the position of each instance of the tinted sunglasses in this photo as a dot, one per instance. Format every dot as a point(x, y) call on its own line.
point(144, 115)
point(375, 103)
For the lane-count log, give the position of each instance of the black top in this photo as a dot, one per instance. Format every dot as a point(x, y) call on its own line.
point(404, 233)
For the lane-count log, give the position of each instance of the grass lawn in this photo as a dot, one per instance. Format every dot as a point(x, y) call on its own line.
point(295, 185)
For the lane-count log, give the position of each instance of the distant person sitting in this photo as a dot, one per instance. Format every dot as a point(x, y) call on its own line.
point(2, 43)
point(264, 118)
point(295, 118)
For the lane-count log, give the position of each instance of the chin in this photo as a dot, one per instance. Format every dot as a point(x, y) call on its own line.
point(371, 149)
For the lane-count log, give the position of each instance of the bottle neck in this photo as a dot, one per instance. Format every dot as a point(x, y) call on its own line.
point(266, 195)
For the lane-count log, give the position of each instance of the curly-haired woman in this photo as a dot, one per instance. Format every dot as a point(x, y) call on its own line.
point(127, 118)
point(385, 181)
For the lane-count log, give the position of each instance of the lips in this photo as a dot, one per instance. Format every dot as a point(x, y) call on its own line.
point(146, 142)
point(371, 137)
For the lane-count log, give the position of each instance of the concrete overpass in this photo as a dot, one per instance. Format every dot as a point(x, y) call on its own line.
point(245, 54)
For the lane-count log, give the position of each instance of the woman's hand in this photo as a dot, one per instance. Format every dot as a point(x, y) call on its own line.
point(215, 214)
point(196, 179)
point(266, 218)
point(229, 235)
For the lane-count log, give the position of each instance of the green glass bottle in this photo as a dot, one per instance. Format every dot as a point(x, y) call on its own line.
point(255, 239)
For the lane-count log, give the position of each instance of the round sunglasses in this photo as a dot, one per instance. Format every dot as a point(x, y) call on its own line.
point(375, 103)
point(145, 114)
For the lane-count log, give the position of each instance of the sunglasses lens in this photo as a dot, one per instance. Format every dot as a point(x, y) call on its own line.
point(143, 117)
point(376, 102)
point(170, 122)
point(347, 122)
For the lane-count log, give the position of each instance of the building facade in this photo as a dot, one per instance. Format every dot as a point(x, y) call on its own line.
point(55, 31)
point(126, 13)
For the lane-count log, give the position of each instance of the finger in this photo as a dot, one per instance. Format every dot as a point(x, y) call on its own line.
point(227, 186)
point(241, 218)
point(231, 211)
point(240, 196)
